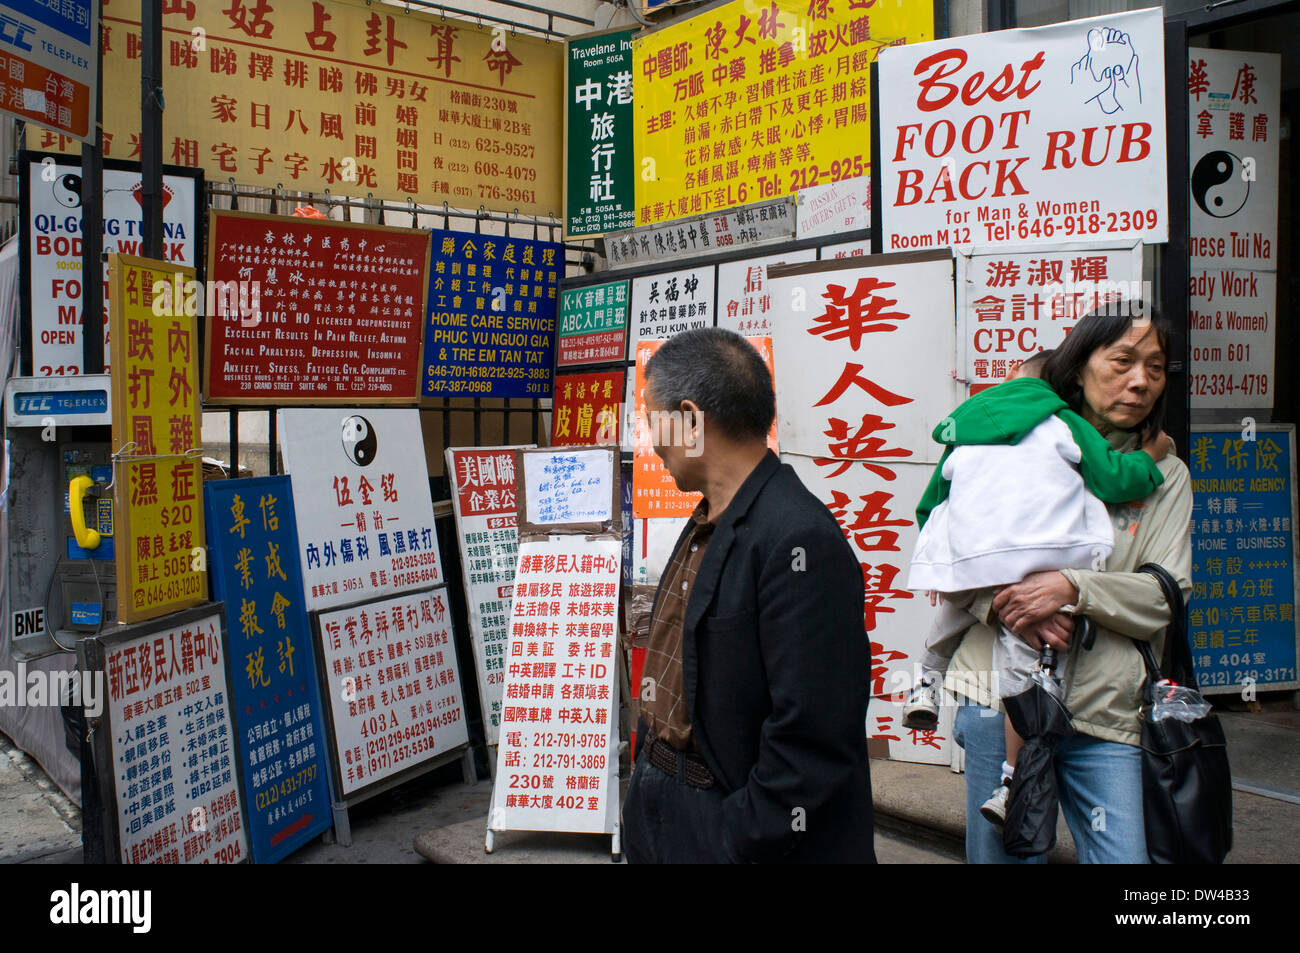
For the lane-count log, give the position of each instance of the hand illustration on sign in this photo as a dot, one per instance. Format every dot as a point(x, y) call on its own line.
point(1111, 63)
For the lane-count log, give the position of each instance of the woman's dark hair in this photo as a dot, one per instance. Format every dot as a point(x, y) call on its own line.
point(722, 374)
point(1099, 329)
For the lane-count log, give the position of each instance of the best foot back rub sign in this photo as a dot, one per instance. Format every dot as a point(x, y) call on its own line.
point(1051, 135)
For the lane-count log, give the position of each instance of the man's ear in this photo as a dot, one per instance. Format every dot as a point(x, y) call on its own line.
point(691, 411)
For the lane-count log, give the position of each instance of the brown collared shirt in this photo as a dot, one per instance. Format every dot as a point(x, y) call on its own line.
point(663, 705)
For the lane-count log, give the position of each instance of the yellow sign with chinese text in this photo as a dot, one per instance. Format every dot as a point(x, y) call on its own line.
point(755, 100)
point(157, 487)
point(342, 96)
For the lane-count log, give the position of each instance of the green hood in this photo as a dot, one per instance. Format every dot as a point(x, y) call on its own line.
point(1006, 413)
point(1000, 415)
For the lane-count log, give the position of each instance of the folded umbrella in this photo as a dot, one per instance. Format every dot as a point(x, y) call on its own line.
point(1040, 717)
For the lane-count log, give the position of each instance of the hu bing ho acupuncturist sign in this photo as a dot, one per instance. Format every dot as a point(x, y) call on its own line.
point(750, 101)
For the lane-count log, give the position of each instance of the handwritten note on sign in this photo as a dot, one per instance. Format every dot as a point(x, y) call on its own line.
point(574, 487)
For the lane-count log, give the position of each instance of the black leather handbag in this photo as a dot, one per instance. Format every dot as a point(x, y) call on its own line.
point(1186, 785)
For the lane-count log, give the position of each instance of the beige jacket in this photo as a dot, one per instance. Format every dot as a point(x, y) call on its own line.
point(1104, 692)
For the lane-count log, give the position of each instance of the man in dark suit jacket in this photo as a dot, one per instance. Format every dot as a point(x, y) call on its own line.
point(753, 703)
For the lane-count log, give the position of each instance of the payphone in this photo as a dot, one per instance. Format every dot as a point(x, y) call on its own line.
point(62, 572)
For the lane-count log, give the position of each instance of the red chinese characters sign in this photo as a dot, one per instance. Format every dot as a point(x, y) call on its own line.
point(859, 433)
point(586, 407)
point(343, 96)
point(310, 311)
point(1015, 304)
point(751, 101)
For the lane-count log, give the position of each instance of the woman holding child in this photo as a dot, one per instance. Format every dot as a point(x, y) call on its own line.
point(1111, 370)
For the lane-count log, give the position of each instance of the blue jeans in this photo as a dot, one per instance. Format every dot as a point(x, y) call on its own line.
point(1100, 784)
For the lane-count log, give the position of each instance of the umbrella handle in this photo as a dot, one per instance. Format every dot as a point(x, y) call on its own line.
point(1047, 659)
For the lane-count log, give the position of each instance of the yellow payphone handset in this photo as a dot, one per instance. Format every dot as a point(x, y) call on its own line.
point(87, 538)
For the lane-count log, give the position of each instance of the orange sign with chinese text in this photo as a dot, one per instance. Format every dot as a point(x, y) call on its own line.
point(654, 492)
point(351, 98)
point(157, 486)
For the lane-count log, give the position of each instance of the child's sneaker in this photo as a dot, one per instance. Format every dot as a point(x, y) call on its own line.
point(921, 710)
point(995, 808)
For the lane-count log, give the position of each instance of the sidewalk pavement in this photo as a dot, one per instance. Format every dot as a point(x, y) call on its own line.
point(919, 808)
point(38, 824)
point(1263, 752)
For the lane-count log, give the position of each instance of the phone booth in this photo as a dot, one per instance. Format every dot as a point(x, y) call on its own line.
point(59, 550)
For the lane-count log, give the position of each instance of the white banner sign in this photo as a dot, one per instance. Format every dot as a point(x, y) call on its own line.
point(483, 493)
point(361, 494)
point(54, 250)
point(1017, 303)
point(1233, 111)
point(876, 509)
point(745, 302)
point(1233, 326)
point(557, 764)
point(669, 303)
point(838, 207)
point(865, 356)
point(1054, 134)
point(394, 686)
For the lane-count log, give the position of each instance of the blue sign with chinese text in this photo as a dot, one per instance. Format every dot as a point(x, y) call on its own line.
point(253, 555)
point(1241, 616)
point(491, 321)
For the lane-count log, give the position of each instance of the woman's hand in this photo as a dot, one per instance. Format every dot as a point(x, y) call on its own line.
point(1037, 597)
point(1056, 630)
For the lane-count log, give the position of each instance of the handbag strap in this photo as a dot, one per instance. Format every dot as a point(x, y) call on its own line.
point(1177, 662)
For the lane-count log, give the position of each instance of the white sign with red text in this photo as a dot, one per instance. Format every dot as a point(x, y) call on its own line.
point(1017, 303)
point(1048, 135)
point(845, 250)
point(875, 505)
point(1233, 112)
point(865, 355)
point(745, 302)
point(54, 242)
point(1233, 320)
point(557, 762)
point(361, 495)
point(483, 494)
point(394, 685)
point(175, 764)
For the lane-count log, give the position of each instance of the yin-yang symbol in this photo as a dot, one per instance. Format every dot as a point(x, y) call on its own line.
point(359, 442)
point(67, 190)
point(1218, 185)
